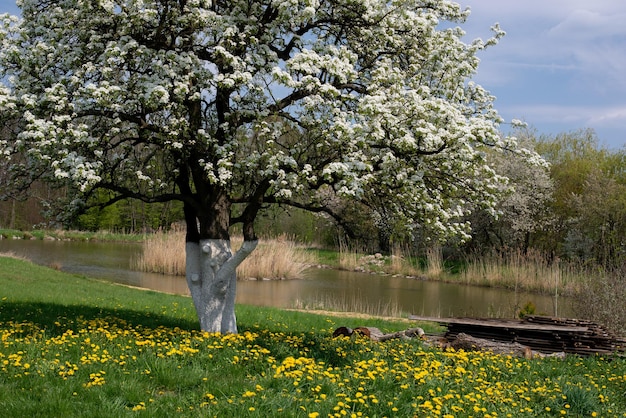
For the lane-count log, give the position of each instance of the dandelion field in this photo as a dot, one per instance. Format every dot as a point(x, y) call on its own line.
point(76, 347)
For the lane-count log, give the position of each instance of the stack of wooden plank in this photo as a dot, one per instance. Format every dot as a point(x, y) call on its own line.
point(539, 333)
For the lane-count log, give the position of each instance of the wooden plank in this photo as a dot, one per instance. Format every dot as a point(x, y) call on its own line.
point(542, 334)
point(499, 323)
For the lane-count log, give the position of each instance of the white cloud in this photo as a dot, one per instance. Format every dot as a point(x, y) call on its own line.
point(574, 115)
point(610, 116)
point(587, 25)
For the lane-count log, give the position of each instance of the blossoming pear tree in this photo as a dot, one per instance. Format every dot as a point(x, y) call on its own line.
point(230, 106)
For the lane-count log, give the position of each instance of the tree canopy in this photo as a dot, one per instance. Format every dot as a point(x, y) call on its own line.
point(217, 103)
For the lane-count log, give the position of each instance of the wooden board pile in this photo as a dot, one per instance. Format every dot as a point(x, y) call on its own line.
point(539, 333)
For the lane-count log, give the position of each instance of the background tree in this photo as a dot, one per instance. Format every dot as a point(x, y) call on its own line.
point(589, 197)
point(198, 101)
point(524, 213)
point(19, 209)
point(597, 232)
point(128, 216)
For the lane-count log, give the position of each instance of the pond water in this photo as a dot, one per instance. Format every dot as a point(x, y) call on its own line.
point(331, 288)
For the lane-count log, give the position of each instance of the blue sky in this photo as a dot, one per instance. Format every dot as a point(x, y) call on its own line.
point(561, 66)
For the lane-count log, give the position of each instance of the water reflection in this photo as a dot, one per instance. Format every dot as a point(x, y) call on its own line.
point(111, 261)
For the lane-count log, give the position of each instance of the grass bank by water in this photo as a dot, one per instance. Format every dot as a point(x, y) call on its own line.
point(71, 346)
point(63, 235)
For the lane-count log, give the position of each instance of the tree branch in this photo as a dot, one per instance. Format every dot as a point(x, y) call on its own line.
point(229, 267)
point(125, 193)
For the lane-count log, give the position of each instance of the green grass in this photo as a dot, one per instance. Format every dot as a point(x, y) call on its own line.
point(326, 257)
point(71, 235)
point(72, 346)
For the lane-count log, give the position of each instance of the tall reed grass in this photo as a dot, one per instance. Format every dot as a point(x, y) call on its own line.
point(348, 257)
point(531, 271)
point(602, 295)
point(434, 262)
point(274, 258)
point(403, 262)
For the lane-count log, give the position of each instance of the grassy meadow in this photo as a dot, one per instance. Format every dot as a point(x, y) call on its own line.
point(72, 346)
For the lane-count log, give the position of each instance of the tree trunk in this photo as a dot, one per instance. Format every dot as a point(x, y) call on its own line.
point(12, 220)
point(468, 343)
point(212, 280)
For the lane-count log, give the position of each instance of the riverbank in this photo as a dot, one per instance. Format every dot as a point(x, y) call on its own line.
point(591, 287)
point(63, 235)
point(283, 258)
point(78, 347)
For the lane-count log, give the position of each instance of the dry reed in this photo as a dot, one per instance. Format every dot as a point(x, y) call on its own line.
point(277, 258)
point(532, 271)
point(348, 257)
point(401, 262)
point(358, 259)
point(601, 298)
point(434, 262)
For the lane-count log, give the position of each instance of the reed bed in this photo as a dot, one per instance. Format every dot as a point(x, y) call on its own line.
point(403, 262)
point(602, 296)
point(531, 271)
point(348, 257)
point(434, 262)
point(274, 258)
point(162, 253)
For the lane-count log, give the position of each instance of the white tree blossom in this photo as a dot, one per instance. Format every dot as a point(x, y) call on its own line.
point(229, 106)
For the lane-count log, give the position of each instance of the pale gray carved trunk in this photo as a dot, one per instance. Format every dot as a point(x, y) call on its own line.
point(212, 280)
